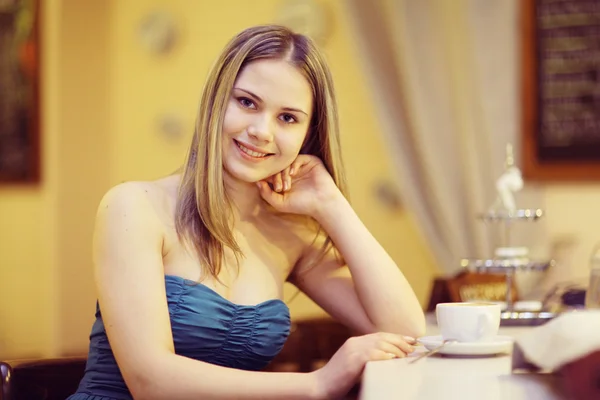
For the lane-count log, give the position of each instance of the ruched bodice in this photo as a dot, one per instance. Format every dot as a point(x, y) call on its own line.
point(205, 326)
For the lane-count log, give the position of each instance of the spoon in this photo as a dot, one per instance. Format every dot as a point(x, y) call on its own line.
point(432, 351)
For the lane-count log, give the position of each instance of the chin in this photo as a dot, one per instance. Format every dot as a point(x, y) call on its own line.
point(245, 175)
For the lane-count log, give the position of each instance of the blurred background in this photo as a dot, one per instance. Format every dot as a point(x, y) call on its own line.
point(430, 93)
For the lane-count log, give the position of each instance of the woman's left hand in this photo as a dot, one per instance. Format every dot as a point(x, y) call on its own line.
point(304, 187)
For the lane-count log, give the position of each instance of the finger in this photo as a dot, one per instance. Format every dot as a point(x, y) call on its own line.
point(392, 349)
point(398, 341)
point(380, 355)
point(410, 340)
point(277, 182)
point(286, 179)
point(267, 193)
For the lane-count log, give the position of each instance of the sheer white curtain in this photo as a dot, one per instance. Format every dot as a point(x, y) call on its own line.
point(445, 80)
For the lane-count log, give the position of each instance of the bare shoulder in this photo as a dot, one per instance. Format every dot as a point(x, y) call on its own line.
point(135, 198)
point(127, 217)
point(128, 194)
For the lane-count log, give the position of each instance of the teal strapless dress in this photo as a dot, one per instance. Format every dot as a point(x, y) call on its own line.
point(206, 327)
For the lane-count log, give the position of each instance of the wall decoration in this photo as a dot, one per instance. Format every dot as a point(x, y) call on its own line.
point(308, 17)
point(19, 91)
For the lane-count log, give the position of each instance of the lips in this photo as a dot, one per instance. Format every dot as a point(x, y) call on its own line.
point(251, 150)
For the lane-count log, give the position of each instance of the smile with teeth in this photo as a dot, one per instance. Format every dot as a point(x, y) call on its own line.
point(251, 153)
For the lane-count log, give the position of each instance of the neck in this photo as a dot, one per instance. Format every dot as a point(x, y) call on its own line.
point(245, 196)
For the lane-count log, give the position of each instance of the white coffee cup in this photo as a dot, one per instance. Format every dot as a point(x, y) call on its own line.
point(468, 322)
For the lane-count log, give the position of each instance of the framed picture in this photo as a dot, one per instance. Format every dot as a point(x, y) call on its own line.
point(19, 91)
point(561, 89)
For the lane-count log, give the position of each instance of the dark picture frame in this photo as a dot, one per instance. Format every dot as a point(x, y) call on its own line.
point(19, 91)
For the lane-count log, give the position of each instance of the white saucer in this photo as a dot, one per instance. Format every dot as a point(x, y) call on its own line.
point(498, 345)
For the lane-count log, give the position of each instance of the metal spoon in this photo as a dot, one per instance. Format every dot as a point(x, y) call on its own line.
point(432, 351)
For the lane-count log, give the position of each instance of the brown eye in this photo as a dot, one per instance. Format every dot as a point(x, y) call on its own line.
point(246, 102)
point(288, 118)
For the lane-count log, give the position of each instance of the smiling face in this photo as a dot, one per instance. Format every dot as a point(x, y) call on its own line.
point(266, 121)
point(261, 120)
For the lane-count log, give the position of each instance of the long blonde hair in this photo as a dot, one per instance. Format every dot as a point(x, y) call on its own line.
point(203, 211)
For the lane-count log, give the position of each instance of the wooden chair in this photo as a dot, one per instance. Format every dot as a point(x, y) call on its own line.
point(311, 344)
point(43, 379)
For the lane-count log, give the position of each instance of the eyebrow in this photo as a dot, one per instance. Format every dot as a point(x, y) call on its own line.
point(261, 100)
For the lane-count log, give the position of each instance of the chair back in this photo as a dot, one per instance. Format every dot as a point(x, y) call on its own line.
point(41, 379)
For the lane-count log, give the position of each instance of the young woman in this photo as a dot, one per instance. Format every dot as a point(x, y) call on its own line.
point(190, 268)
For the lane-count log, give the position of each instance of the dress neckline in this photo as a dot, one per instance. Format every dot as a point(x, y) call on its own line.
point(207, 289)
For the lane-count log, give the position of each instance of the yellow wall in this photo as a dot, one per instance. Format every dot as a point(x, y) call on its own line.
point(573, 216)
point(102, 97)
point(21, 267)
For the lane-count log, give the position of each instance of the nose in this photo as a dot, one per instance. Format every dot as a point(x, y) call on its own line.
point(260, 129)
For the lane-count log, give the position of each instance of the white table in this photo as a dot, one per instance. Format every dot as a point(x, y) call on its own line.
point(449, 378)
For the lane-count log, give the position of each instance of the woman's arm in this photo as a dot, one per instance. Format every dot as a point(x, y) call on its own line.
point(369, 293)
point(129, 273)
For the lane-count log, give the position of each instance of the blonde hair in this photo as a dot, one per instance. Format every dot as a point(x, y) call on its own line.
point(203, 211)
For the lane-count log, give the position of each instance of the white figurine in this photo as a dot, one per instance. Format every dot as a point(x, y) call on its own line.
point(508, 183)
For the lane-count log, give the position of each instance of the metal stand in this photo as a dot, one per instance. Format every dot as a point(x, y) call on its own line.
point(510, 265)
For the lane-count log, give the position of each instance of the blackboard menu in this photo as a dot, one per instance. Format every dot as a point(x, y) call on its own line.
point(568, 73)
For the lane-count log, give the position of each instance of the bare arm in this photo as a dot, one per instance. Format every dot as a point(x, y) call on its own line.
point(368, 294)
point(129, 275)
